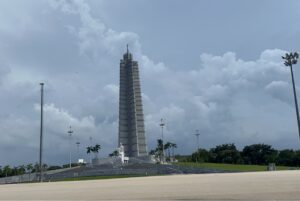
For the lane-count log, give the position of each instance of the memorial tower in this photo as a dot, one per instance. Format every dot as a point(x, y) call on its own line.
point(131, 116)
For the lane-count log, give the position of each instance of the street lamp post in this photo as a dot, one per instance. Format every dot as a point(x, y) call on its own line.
point(70, 132)
point(162, 124)
point(197, 134)
point(289, 60)
point(77, 144)
point(41, 133)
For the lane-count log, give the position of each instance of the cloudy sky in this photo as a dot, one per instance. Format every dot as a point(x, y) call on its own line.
point(209, 65)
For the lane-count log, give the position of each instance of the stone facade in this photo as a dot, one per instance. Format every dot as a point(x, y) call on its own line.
point(131, 117)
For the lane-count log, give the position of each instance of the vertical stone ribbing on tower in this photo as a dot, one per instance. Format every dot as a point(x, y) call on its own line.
point(131, 117)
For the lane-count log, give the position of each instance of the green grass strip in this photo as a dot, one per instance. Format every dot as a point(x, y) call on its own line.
point(233, 167)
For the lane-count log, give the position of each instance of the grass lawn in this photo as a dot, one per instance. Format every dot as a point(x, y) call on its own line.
point(233, 167)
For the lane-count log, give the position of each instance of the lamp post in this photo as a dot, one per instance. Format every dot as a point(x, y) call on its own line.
point(162, 124)
point(197, 134)
point(70, 132)
point(289, 60)
point(41, 133)
point(77, 144)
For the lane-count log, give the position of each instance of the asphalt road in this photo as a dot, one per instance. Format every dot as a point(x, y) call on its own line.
point(278, 185)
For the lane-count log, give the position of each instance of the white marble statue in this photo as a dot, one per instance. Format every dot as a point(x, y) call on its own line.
point(124, 159)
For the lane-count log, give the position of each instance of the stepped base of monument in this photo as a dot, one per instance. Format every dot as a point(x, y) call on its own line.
point(107, 161)
point(142, 159)
point(116, 161)
point(128, 169)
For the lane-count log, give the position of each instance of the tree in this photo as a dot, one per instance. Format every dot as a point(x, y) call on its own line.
point(259, 154)
point(7, 171)
point(114, 153)
point(152, 152)
point(159, 149)
point(287, 157)
point(225, 153)
point(167, 147)
point(89, 149)
point(297, 158)
point(21, 170)
point(36, 167)
point(29, 168)
point(94, 149)
point(201, 155)
point(173, 146)
point(159, 145)
point(14, 171)
point(55, 167)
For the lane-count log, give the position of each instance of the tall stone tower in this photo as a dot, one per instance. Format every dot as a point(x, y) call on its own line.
point(131, 116)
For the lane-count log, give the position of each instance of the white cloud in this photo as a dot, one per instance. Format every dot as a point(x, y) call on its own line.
point(58, 119)
point(280, 90)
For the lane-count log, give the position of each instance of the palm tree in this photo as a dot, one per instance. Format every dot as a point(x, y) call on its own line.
point(89, 149)
point(96, 149)
point(173, 146)
point(167, 146)
point(160, 144)
point(159, 149)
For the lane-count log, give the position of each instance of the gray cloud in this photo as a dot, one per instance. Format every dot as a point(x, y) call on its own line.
point(77, 55)
point(4, 70)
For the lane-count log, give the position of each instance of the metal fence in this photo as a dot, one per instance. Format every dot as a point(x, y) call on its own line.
point(32, 177)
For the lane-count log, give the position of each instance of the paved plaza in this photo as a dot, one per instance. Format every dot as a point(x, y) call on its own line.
point(277, 185)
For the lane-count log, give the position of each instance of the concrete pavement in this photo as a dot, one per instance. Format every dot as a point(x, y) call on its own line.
point(277, 185)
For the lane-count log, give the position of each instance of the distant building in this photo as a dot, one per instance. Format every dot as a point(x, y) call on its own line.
point(131, 116)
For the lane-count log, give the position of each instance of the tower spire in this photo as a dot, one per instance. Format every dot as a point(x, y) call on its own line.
point(127, 48)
